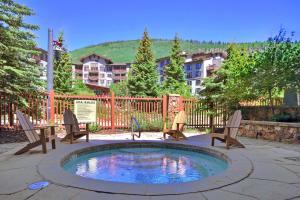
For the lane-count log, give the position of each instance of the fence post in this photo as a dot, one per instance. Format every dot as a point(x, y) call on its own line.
point(164, 108)
point(180, 104)
point(211, 117)
point(112, 111)
point(52, 117)
point(11, 114)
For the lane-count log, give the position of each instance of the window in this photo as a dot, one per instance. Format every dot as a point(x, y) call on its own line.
point(102, 75)
point(188, 67)
point(109, 75)
point(86, 68)
point(108, 68)
point(93, 65)
point(85, 75)
point(108, 83)
point(198, 82)
point(198, 74)
point(102, 69)
point(189, 75)
point(162, 63)
point(94, 68)
point(198, 66)
point(189, 82)
point(102, 82)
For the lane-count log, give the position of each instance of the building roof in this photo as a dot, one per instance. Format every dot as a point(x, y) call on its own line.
point(206, 55)
point(194, 61)
point(212, 67)
point(183, 54)
point(198, 56)
point(118, 64)
point(97, 55)
point(97, 87)
point(40, 49)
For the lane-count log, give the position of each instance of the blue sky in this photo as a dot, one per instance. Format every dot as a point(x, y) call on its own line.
point(87, 22)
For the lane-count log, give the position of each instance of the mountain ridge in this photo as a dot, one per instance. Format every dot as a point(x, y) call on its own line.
point(125, 50)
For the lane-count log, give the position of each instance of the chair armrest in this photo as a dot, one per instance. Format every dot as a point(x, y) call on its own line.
point(54, 125)
point(66, 124)
point(84, 122)
point(219, 130)
point(78, 123)
point(35, 128)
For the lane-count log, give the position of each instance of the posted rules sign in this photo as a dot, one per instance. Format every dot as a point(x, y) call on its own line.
point(85, 110)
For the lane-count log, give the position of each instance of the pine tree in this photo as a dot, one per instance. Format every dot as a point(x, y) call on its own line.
point(62, 69)
point(175, 81)
point(143, 76)
point(19, 72)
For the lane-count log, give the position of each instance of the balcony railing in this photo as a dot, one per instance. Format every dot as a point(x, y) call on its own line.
point(120, 71)
point(78, 71)
point(118, 77)
point(94, 78)
point(94, 70)
point(92, 82)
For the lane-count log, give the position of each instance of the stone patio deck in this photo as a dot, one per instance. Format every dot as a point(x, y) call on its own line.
point(275, 176)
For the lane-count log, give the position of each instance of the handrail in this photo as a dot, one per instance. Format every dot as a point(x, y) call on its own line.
point(134, 120)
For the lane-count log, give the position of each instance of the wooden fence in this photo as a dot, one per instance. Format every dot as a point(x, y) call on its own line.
point(112, 112)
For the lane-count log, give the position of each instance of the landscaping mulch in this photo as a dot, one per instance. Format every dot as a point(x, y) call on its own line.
point(12, 136)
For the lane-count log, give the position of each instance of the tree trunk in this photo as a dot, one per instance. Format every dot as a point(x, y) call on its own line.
point(271, 101)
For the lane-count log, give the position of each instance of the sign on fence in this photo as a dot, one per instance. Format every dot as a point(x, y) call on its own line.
point(85, 110)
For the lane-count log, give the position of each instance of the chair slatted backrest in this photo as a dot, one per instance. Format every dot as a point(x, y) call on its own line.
point(70, 118)
point(28, 127)
point(179, 118)
point(234, 121)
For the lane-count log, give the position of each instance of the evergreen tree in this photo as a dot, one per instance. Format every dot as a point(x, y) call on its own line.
point(120, 89)
point(81, 89)
point(62, 69)
point(175, 81)
point(19, 72)
point(143, 76)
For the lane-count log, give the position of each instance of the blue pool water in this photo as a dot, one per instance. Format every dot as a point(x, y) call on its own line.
point(145, 165)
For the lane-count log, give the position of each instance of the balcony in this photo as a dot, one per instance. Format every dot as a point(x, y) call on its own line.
point(94, 70)
point(119, 71)
point(118, 77)
point(78, 71)
point(94, 78)
point(93, 82)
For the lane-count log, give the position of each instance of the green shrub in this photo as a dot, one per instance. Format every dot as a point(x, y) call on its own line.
point(148, 122)
point(208, 130)
point(283, 117)
point(94, 128)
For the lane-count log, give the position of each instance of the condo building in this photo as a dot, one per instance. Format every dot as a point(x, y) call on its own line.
point(197, 66)
point(98, 70)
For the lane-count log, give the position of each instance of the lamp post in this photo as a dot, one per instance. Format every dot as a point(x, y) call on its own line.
point(50, 106)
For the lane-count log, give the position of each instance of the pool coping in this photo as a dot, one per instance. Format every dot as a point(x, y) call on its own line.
point(50, 168)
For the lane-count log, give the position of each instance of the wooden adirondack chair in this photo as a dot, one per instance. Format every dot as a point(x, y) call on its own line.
point(72, 127)
point(230, 131)
point(176, 131)
point(34, 139)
